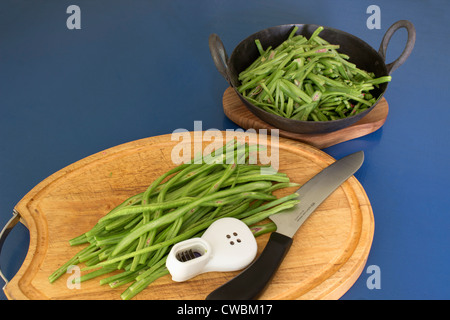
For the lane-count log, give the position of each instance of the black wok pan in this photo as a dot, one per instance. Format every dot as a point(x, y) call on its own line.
point(360, 53)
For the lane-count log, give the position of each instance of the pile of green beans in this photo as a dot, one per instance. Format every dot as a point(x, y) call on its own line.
point(308, 80)
point(136, 236)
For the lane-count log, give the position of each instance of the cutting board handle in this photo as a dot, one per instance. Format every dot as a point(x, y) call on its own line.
point(5, 231)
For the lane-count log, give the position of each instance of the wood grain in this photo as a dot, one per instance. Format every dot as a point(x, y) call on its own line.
point(237, 112)
point(327, 256)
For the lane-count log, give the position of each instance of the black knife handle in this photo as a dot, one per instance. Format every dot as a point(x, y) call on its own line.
point(250, 283)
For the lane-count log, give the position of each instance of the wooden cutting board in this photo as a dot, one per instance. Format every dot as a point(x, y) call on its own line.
point(327, 256)
point(237, 112)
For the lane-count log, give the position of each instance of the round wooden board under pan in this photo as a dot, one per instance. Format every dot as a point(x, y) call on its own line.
point(237, 112)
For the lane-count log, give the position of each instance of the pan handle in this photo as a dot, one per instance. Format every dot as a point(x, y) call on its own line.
point(408, 48)
point(219, 55)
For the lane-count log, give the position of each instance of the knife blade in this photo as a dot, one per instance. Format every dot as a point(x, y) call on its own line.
point(251, 282)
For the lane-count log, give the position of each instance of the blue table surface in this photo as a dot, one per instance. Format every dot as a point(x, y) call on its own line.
point(137, 69)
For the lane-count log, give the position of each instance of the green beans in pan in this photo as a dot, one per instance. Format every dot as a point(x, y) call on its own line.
point(308, 79)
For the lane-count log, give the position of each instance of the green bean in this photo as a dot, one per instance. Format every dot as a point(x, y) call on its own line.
point(105, 254)
point(245, 195)
point(81, 239)
point(379, 80)
point(99, 227)
point(148, 207)
point(149, 270)
point(267, 206)
point(256, 177)
point(315, 34)
point(293, 31)
point(138, 286)
point(72, 261)
point(122, 278)
point(231, 168)
point(252, 83)
point(265, 68)
point(230, 211)
point(161, 252)
point(133, 222)
point(88, 255)
point(320, 116)
point(259, 46)
point(119, 222)
point(289, 107)
point(303, 112)
point(267, 213)
point(260, 229)
point(157, 182)
point(294, 92)
point(96, 273)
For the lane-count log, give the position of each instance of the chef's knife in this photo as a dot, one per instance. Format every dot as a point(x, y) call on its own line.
point(250, 283)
